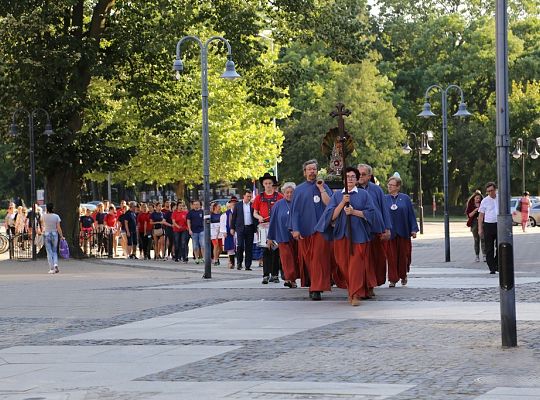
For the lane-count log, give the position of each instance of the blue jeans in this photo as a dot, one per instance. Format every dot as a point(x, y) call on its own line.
point(51, 245)
point(197, 239)
point(181, 245)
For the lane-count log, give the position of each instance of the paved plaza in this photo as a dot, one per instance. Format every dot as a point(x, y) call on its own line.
point(132, 329)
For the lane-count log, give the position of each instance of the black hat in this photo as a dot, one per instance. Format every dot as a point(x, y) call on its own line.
point(233, 199)
point(268, 176)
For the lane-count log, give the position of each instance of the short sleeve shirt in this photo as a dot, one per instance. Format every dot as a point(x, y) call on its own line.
point(490, 208)
point(87, 221)
point(263, 203)
point(196, 217)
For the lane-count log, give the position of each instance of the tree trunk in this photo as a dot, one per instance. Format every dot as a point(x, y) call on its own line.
point(180, 190)
point(64, 191)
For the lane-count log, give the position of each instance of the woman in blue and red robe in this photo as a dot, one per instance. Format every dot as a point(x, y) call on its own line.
point(404, 226)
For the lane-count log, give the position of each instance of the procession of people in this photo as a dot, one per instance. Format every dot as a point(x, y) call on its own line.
point(352, 238)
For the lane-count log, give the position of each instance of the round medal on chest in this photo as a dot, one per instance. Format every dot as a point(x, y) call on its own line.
point(393, 207)
point(316, 199)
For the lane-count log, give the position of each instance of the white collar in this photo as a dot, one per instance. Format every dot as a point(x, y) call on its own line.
point(355, 190)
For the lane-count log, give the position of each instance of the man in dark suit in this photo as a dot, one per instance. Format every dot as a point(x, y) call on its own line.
point(244, 224)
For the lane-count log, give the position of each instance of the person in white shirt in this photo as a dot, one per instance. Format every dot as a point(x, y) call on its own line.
point(487, 225)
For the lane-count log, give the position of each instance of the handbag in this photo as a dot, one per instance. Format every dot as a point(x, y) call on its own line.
point(157, 231)
point(518, 207)
point(39, 241)
point(64, 249)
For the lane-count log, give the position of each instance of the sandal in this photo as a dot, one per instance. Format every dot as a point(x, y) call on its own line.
point(392, 284)
point(404, 282)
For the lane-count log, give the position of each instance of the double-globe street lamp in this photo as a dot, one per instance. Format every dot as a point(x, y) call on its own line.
point(230, 73)
point(13, 129)
point(421, 146)
point(522, 151)
point(426, 113)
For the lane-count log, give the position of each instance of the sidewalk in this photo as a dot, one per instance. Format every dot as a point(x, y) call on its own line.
point(122, 329)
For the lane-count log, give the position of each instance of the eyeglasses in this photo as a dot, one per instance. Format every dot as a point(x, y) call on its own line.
point(361, 174)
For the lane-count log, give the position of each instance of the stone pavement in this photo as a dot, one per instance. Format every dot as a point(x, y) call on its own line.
point(121, 329)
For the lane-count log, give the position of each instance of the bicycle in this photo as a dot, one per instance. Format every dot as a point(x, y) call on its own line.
point(4, 243)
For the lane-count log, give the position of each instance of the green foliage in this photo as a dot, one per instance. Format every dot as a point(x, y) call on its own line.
point(322, 82)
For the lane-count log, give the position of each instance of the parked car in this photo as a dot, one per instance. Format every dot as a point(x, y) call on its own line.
point(222, 203)
point(88, 206)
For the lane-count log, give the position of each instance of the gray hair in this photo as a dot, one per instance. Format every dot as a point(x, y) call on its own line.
point(133, 204)
point(367, 167)
point(288, 185)
point(308, 162)
point(395, 178)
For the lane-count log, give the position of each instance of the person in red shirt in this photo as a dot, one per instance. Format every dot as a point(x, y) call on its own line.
point(145, 230)
point(180, 232)
point(111, 225)
point(262, 206)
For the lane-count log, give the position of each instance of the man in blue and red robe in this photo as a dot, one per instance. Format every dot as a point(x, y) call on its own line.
point(315, 253)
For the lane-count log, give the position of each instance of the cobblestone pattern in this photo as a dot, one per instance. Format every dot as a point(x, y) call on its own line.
point(467, 355)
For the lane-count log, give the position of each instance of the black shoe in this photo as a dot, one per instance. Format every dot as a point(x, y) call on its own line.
point(248, 269)
point(275, 279)
point(239, 267)
point(492, 272)
point(265, 280)
point(316, 296)
point(287, 284)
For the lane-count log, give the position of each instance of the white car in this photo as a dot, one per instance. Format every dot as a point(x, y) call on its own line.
point(534, 212)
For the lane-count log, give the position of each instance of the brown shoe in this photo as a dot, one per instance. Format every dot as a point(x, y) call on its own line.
point(355, 302)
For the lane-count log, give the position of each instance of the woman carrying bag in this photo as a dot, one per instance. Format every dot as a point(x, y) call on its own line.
point(52, 231)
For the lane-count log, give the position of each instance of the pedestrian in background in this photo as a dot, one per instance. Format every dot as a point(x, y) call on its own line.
point(229, 240)
point(215, 217)
point(472, 211)
point(195, 222)
point(145, 231)
point(130, 226)
point(524, 205)
point(487, 225)
point(244, 224)
point(9, 220)
point(180, 230)
point(52, 232)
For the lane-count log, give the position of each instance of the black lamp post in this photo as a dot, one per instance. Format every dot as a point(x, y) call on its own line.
point(522, 151)
point(230, 73)
point(426, 113)
point(14, 132)
point(421, 146)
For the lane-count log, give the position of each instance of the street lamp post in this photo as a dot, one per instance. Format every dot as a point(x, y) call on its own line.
point(426, 113)
point(421, 147)
point(521, 151)
point(14, 132)
point(230, 73)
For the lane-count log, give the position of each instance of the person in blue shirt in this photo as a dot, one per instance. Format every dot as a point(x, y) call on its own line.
point(315, 253)
point(130, 226)
point(195, 223)
point(278, 232)
point(351, 242)
point(380, 231)
point(404, 226)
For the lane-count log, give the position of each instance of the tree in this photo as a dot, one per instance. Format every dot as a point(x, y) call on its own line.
point(321, 83)
point(102, 68)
